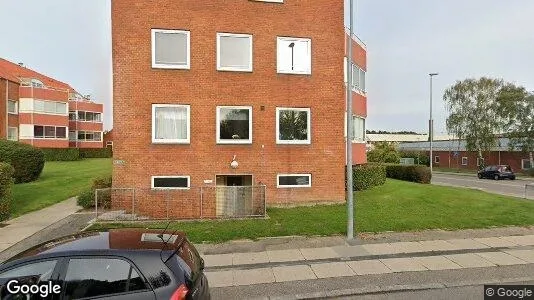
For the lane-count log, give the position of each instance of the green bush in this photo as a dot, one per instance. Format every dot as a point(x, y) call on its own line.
point(419, 174)
point(420, 157)
point(62, 154)
point(96, 153)
point(367, 176)
point(384, 152)
point(6, 184)
point(27, 161)
point(87, 198)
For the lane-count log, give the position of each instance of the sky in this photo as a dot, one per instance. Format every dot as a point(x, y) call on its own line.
point(406, 40)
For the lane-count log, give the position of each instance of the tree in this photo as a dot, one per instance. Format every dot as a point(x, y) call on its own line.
point(516, 106)
point(384, 152)
point(474, 112)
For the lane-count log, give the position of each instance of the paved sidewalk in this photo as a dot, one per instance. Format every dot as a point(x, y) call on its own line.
point(27, 225)
point(238, 269)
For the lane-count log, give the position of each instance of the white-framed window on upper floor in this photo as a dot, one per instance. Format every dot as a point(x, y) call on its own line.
point(72, 135)
point(234, 52)
point(49, 132)
point(50, 107)
point(294, 55)
point(525, 164)
point(171, 182)
point(234, 125)
point(72, 116)
point(12, 107)
point(358, 125)
point(88, 116)
point(13, 133)
point(464, 161)
point(171, 124)
point(293, 180)
point(88, 136)
point(358, 79)
point(171, 49)
point(293, 125)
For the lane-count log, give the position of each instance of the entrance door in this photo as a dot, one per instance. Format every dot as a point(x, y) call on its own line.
point(234, 195)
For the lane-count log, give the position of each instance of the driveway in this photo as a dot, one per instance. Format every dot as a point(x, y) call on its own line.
point(504, 187)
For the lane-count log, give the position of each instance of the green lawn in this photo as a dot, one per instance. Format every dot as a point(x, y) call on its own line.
point(396, 206)
point(58, 182)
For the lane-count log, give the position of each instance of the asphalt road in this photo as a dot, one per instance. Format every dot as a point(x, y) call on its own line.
point(514, 188)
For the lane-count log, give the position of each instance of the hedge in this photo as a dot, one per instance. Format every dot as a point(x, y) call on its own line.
point(86, 199)
point(27, 161)
point(62, 154)
point(419, 174)
point(6, 184)
point(96, 153)
point(367, 176)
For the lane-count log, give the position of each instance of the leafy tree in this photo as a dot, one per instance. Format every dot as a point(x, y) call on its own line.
point(384, 152)
point(474, 114)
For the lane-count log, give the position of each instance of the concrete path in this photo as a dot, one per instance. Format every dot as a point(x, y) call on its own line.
point(274, 266)
point(27, 225)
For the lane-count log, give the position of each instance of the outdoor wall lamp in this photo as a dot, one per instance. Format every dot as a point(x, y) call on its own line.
point(234, 164)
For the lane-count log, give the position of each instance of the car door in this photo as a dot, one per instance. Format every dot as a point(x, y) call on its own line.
point(29, 273)
point(112, 278)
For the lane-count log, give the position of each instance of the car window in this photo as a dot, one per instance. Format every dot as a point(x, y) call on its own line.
point(42, 269)
point(487, 169)
point(100, 276)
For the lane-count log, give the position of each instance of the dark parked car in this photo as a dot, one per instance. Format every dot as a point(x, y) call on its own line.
point(119, 264)
point(497, 172)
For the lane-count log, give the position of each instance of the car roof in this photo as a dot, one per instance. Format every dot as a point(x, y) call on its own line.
point(114, 241)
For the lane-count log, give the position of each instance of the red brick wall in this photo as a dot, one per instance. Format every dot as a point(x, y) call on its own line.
point(108, 137)
point(88, 126)
point(44, 94)
point(47, 143)
point(86, 106)
point(13, 94)
point(492, 158)
point(137, 86)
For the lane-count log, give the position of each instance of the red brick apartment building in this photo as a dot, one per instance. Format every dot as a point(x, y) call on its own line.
point(234, 93)
point(46, 113)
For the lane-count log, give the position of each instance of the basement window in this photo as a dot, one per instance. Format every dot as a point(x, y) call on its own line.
point(293, 180)
point(171, 182)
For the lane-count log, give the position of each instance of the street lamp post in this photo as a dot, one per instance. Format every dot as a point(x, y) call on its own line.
point(431, 123)
point(350, 192)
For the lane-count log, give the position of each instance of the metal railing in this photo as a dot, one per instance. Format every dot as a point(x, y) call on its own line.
point(206, 202)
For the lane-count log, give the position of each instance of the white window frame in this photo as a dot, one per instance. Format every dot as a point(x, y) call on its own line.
point(218, 129)
point(293, 186)
point(293, 142)
point(479, 160)
point(55, 113)
point(171, 66)
point(436, 159)
point(187, 140)
point(523, 163)
point(16, 133)
point(466, 161)
point(16, 112)
point(354, 140)
point(238, 35)
point(171, 188)
point(280, 70)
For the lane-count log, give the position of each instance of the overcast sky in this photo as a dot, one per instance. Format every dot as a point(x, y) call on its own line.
point(71, 40)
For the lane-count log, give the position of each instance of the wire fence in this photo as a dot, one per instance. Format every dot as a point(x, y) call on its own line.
point(207, 202)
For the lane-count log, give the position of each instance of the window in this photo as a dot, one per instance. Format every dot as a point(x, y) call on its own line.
point(358, 78)
point(436, 159)
point(234, 125)
point(50, 107)
point(293, 180)
point(37, 83)
point(480, 161)
point(464, 161)
point(171, 124)
point(42, 269)
point(61, 132)
point(13, 133)
point(87, 136)
point(170, 182)
point(234, 52)
point(293, 55)
point(49, 132)
point(171, 49)
point(525, 164)
point(358, 124)
point(293, 125)
point(72, 115)
point(72, 135)
point(12, 107)
point(100, 276)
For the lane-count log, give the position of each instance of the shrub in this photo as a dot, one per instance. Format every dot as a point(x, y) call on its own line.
point(62, 154)
point(384, 152)
point(367, 176)
point(87, 198)
point(27, 161)
point(419, 174)
point(96, 153)
point(6, 184)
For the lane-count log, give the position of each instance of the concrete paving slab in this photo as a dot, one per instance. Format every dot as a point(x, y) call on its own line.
point(368, 267)
point(318, 253)
point(501, 258)
point(524, 240)
point(220, 279)
point(470, 260)
point(350, 251)
point(250, 258)
point(496, 242)
point(4, 246)
point(380, 249)
point(411, 247)
point(285, 255)
point(439, 245)
point(467, 244)
point(334, 269)
point(407, 264)
point(253, 276)
point(218, 260)
point(526, 255)
point(437, 263)
point(293, 273)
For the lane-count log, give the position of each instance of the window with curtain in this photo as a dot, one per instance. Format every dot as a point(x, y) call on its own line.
point(170, 123)
point(234, 52)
